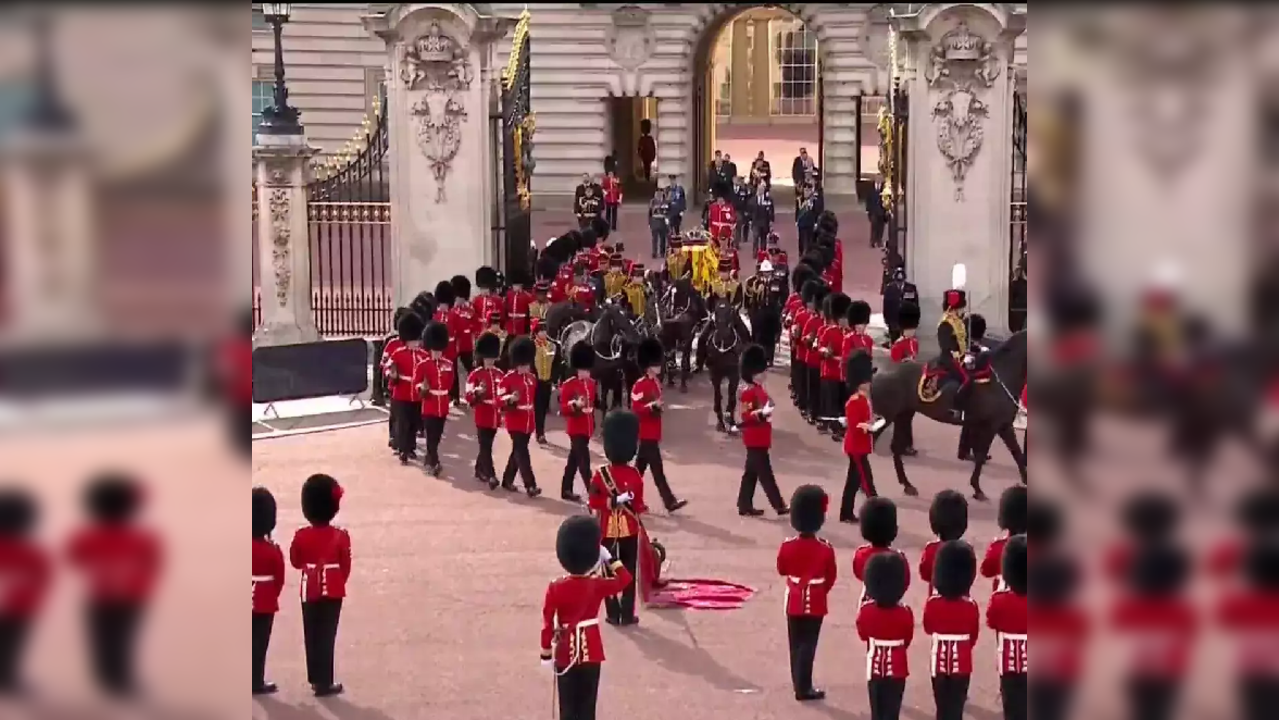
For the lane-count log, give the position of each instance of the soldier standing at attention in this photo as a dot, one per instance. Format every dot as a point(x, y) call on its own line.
point(488, 301)
point(897, 294)
point(612, 198)
point(952, 621)
point(406, 409)
point(858, 440)
point(659, 222)
point(443, 312)
point(615, 278)
point(268, 582)
point(757, 436)
point(482, 386)
point(588, 207)
point(544, 368)
point(1013, 519)
point(636, 293)
point(516, 393)
point(830, 340)
point(646, 402)
point(807, 563)
point(1007, 615)
point(578, 397)
point(948, 519)
point(617, 498)
point(887, 627)
point(812, 332)
point(323, 553)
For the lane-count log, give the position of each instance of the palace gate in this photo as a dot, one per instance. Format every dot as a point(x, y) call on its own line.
point(518, 126)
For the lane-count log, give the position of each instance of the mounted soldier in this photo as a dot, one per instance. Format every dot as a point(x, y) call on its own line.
point(952, 336)
point(636, 292)
point(677, 265)
point(615, 279)
point(724, 288)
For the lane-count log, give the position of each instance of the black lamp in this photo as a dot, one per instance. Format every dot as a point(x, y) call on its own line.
point(47, 112)
point(280, 118)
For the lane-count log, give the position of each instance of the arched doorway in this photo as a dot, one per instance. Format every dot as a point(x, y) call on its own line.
point(757, 85)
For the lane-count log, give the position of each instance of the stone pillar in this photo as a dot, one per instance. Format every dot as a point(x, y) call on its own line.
point(957, 72)
point(762, 70)
point(439, 134)
point(284, 241)
point(740, 66)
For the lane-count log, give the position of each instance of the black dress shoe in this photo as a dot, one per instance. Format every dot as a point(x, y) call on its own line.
point(493, 483)
point(676, 505)
point(541, 440)
point(266, 688)
point(330, 691)
point(613, 621)
point(750, 512)
point(571, 497)
point(783, 511)
point(910, 452)
point(510, 487)
point(632, 620)
point(811, 694)
point(533, 491)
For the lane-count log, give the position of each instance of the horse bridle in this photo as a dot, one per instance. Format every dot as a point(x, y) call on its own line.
point(737, 339)
point(615, 345)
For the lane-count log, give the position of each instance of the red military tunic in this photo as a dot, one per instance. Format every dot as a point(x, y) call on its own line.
point(486, 305)
point(580, 421)
point(583, 295)
point(442, 316)
point(861, 556)
point(953, 626)
point(722, 219)
point(644, 394)
point(482, 388)
point(399, 373)
point(268, 576)
point(393, 344)
point(323, 554)
point(559, 289)
point(27, 573)
point(517, 305)
point(1006, 615)
point(926, 561)
point(1060, 638)
point(612, 191)
point(992, 565)
point(851, 343)
point(794, 304)
point(1162, 631)
point(757, 429)
point(829, 340)
point(121, 563)
point(434, 378)
point(812, 329)
point(887, 633)
point(808, 565)
point(617, 522)
point(464, 327)
point(857, 410)
point(1253, 616)
point(798, 321)
point(517, 392)
point(235, 361)
point(570, 616)
point(905, 349)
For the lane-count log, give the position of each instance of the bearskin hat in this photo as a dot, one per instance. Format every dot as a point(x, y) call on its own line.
point(878, 521)
point(436, 337)
point(621, 436)
point(561, 249)
point(809, 289)
point(1261, 565)
point(858, 313)
point(1052, 580)
point(908, 316)
point(113, 498)
point(264, 512)
point(954, 569)
point(837, 305)
point(18, 513)
point(1158, 570)
point(1012, 565)
point(444, 294)
point(1258, 511)
point(423, 304)
point(801, 275)
point(321, 498)
point(577, 544)
point(886, 576)
point(461, 287)
point(976, 326)
point(581, 356)
point(486, 278)
point(587, 239)
point(1150, 516)
point(410, 327)
point(828, 220)
point(397, 316)
point(522, 351)
point(650, 353)
point(518, 277)
point(859, 369)
point(753, 362)
point(948, 515)
point(1044, 522)
point(488, 346)
point(1012, 509)
point(601, 228)
point(808, 509)
point(820, 294)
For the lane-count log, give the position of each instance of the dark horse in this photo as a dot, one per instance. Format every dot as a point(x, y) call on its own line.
point(613, 337)
point(678, 312)
point(990, 411)
point(728, 338)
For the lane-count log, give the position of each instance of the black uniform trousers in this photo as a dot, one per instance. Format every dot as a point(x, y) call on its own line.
point(622, 605)
point(802, 633)
point(814, 380)
point(541, 405)
point(263, 623)
point(1149, 699)
point(406, 419)
point(467, 360)
point(434, 433)
point(319, 635)
point(14, 631)
point(758, 470)
point(578, 688)
point(1258, 696)
point(113, 632)
point(885, 697)
point(877, 226)
point(484, 467)
point(579, 462)
point(1012, 694)
point(1050, 699)
point(859, 479)
point(950, 693)
point(650, 456)
point(904, 432)
point(610, 214)
point(799, 382)
point(832, 401)
point(519, 461)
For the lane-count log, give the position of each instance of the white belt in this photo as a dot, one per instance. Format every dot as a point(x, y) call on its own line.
point(439, 393)
point(584, 624)
point(523, 407)
point(887, 643)
point(325, 566)
point(262, 578)
point(814, 581)
point(951, 638)
point(518, 315)
point(1013, 636)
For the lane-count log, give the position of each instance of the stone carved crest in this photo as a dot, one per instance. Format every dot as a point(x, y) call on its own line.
point(439, 67)
point(961, 67)
point(631, 39)
point(280, 207)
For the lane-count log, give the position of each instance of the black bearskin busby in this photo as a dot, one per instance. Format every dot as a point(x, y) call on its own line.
point(18, 513)
point(581, 356)
point(836, 305)
point(621, 436)
point(461, 287)
point(808, 509)
point(858, 313)
point(397, 316)
point(410, 327)
point(1012, 566)
point(518, 277)
point(954, 569)
point(1258, 512)
point(908, 316)
point(808, 290)
point(878, 521)
point(486, 278)
point(587, 239)
point(820, 293)
point(1044, 522)
point(436, 337)
point(488, 346)
point(577, 544)
point(1261, 565)
point(1052, 580)
point(976, 326)
point(650, 353)
point(113, 499)
point(1012, 509)
point(1150, 516)
point(801, 275)
point(827, 223)
point(1158, 570)
point(948, 515)
point(444, 294)
point(264, 512)
point(859, 369)
point(754, 361)
point(886, 576)
point(423, 304)
point(522, 351)
point(321, 498)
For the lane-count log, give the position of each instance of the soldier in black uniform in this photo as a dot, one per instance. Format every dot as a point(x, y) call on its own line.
point(742, 198)
point(763, 214)
point(764, 307)
point(588, 206)
point(976, 349)
point(952, 338)
point(896, 293)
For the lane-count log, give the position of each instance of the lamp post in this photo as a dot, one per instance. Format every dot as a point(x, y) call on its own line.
point(280, 118)
point(47, 112)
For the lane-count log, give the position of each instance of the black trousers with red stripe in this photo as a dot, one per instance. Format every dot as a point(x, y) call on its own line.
point(859, 479)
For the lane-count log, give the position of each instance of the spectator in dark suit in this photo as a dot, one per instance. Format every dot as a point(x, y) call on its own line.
point(877, 215)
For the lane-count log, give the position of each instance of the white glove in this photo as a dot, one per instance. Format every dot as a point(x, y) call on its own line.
point(606, 557)
point(548, 662)
point(625, 497)
point(843, 422)
point(968, 360)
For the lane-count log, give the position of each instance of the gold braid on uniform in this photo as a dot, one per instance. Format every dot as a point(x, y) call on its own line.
point(957, 326)
point(544, 360)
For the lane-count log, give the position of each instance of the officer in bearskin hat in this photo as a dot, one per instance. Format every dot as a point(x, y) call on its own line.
point(948, 519)
point(488, 302)
point(813, 323)
point(617, 499)
point(27, 571)
point(1007, 616)
point(807, 563)
point(757, 436)
point(878, 525)
point(518, 395)
point(322, 551)
point(830, 339)
point(578, 398)
point(571, 638)
point(887, 626)
point(463, 323)
point(951, 619)
point(646, 402)
point(268, 580)
point(858, 424)
point(1061, 632)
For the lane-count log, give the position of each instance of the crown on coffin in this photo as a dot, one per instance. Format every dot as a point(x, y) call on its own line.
point(962, 44)
point(435, 46)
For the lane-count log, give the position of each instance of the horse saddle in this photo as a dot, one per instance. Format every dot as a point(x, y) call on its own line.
point(930, 381)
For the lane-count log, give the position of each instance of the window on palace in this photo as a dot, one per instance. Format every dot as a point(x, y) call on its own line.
point(15, 97)
point(259, 18)
point(724, 98)
point(795, 68)
point(262, 99)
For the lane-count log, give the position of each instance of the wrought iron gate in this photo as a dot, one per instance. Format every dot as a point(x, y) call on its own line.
point(518, 128)
point(894, 124)
point(1017, 218)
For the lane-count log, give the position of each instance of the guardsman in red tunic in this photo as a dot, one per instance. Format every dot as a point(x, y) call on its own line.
point(757, 436)
point(906, 349)
point(1251, 614)
point(1149, 517)
point(878, 521)
point(444, 299)
point(518, 302)
point(791, 309)
point(406, 411)
point(518, 393)
point(617, 499)
point(268, 582)
point(858, 418)
point(646, 401)
point(1160, 625)
point(886, 626)
point(1012, 520)
point(952, 621)
point(1061, 628)
point(948, 519)
point(571, 640)
point(482, 387)
point(807, 563)
point(813, 325)
point(562, 284)
point(434, 378)
point(856, 336)
point(722, 220)
point(463, 322)
point(120, 561)
point(1257, 516)
point(27, 572)
point(1007, 616)
point(488, 301)
point(830, 367)
point(577, 404)
point(581, 292)
point(390, 344)
point(322, 552)
point(799, 351)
